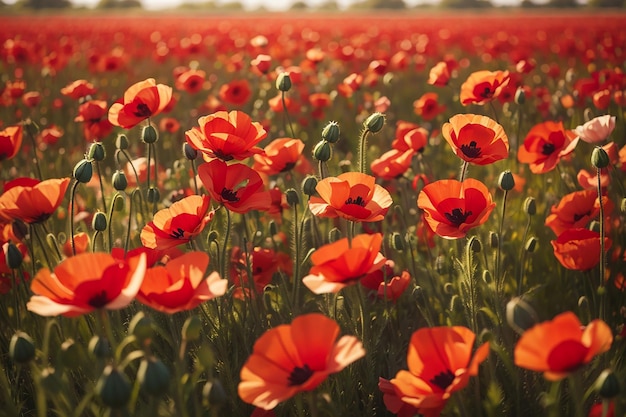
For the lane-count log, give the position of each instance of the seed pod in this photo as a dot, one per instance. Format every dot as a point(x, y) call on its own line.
point(113, 388)
point(149, 134)
point(21, 348)
point(96, 151)
point(153, 376)
point(121, 142)
point(520, 315)
point(83, 171)
point(330, 133)
point(283, 81)
point(375, 122)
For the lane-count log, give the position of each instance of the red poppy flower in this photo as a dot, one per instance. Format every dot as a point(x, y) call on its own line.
point(10, 142)
point(576, 210)
point(78, 89)
point(392, 164)
point(353, 196)
point(177, 224)
point(452, 208)
point(395, 405)
point(51, 135)
point(31, 99)
point(440, 363)
point(295, 357)
point(415, 139)
point(476, 139)
point(261, 64)
point(439, 74)
point(544, 146)
point(81, 244)
point(427, 106)
point(264, 263)
point(579, 249)
point(31, 200)
point(280, 155)
point(86, 282)
point(226, 136)
point(141, 100)
point(237, 187)
point(181, 284)
point(560, 346)
point(93, 114)
point(339, 264)
point(483, 86)
point(588, 180)
point(190, 81)
point(236, 92)
point(385, 284)
point(597, 410)
point(169, 124)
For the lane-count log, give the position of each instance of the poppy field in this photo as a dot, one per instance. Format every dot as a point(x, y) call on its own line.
point(313, 215)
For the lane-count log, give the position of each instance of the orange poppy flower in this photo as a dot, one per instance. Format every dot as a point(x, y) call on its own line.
point(190, 81)
point(579, 249)
point(236, 92)
point(544, 146)
point(51, 135)
point(452, 208)
point(390, 290)
point(177, 224)
point(353, 196)
point(392, 164)
point(31, 200)
point(181, 285)
point(226, 136)
point(86, 282)
point(576, 210)
point(439, 74)
point(31, 99)
point(237, 187)
point(476, 139)
point(141, 100)
point(280, 155)
point(395, 405)
point(93, 114)
point(81, 244)
point(427, 106)
point(78, 89)
point(169, 124)
point(440, 363)
point(560, 346)
point(415, 139)
point(295, 357)
point(10, 142)
point(264, 264)
point(261, 64)
point(483, 86)
point(589, 179)
point(339, 264)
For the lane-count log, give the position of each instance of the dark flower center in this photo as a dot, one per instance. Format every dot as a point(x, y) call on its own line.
point(288, 167)
point(229, 195)
point(486, 93)
point(443, 379)
point(178, 233)
point(580, 216)
point(142, 110)
point(99, 300)
point(299, 375)
point(221, 155)
point(548, 148)
point(457, 217)
point(358, 201)
point(471, 151)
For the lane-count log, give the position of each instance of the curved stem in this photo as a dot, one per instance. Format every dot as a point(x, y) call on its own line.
point(363, 150)
point(195, 174)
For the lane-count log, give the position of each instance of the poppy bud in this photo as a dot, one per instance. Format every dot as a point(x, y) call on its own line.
point(153, 195)
point(13, 256)
point(506, 181)
point(487, 278)
point(494, 239)
point(149, 134)
point(119, 180)
point(607, 385)
point(448, 288)
point(113, 387)
point(121, 142)
point(213, 236)
point(119, 203)
point(531, 244)
point(599, 158)
point(475, 245)
point(587, 114)
point(205, 354)
point(96, 152)
point(214, 394)
point(21, 348)
point(330, 133)
point(308, 185)
point(530, 206)
point(623, 205)
point(191, 329)
point(397, 242)
point(520, 96)
point(153, 376)
point(283, 81)
point(334, 235)
point(485, 336)
point(322, 151)
point(189, 151)
point(99, 222)
point(100, 347)
point(375, 122)
point(520, 315)
point(292, 197)
point(273, 228)
point(83, 171)
point(141, 327)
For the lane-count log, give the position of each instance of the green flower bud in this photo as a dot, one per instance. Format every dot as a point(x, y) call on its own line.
point(83, 171)
point(494, 239)
point(214, 394)
point(189, 151)
point(475, 245)
point(121, 142)
point(485, 336)
point(599, 158)
point(292, 197)
point(531, 244)
point(623, 205)
point(142, 327)
point(13, 256)
point(213, 236)
point(322, 151)
point(99, 222)
point(113, 388)
point(192, 328)
point(440, 264)
point(345, 166)
point(397, 241)
point(334, 235)
point(96, 151)
point(486, 276)
point(607, 385)
point(520, 96)
point(149, 134)
point(119, 180)
point(153, 376)
point(330, 133)
point(153, 195)
point(119, 204)
point(273, 228)
point(21, 348)
point(506, 181)
point(530, 206)
point(100, 347)
point(283, 81)
point(308, 185)
point(375, 122)
point(520, 315)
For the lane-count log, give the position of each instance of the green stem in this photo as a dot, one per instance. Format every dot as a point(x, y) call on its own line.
point(104, 202)
point(499, 280)
point(312, 400)
point(523, 256)
point(110, 218)
point(35, 158)
point(363, 150)
point(576, 395)
point(286, 112)
point(296, 260)
point(71, 216)
point(224, 261)
point(195, 174)
point(463, 171)
point(602, 254)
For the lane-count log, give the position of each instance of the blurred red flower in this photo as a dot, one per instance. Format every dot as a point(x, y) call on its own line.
point(576, 210)
point(476, 139)
point(141, 100)
point(427, 106)
point(544, 146)
point(10, 141)
point(264, 263)
point(579, 249)
point(31, 200)
point(483, 86)
point(78, 89)
point(96, 125)
point(191, 81)
point(392, 164)
point(236, 92)
point(280, 155)
point(439, 75)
